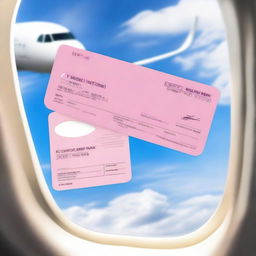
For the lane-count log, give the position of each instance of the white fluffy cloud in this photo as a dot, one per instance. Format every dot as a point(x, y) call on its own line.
point(28, 82)
point(212, 62)
point(145, 213)
point(46, 166)
point(208, 54)
point(65, 16)
point(177, 19)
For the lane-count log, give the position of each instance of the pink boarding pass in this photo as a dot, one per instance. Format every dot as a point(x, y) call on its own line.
point(101, 157)
point(133, 100)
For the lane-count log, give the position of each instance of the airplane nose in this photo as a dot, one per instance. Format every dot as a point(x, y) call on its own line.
point(75, 43)
point(79, 45)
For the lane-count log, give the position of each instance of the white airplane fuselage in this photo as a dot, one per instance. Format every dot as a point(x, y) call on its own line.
point(36, 44)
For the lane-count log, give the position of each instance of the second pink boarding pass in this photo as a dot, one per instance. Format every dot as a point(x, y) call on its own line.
point(133, 100)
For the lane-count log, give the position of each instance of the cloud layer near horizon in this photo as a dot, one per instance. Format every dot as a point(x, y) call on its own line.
point(145, 213)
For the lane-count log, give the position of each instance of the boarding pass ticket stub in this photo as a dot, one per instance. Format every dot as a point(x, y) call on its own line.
point(101, 157)
point(133, 100)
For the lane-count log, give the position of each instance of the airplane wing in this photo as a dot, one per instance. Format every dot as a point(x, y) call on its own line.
point(186, 44)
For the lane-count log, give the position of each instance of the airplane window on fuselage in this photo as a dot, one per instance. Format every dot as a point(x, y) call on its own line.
point(62, 36)
point(40, 38)
point(47, 39)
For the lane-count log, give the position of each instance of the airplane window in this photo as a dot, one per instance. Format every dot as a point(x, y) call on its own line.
point(171, 193)
point(40, 38)
point(47, 38)
point(62, 36)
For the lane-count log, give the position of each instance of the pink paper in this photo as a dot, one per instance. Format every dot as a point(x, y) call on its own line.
point(137, 101)
point(99, 158)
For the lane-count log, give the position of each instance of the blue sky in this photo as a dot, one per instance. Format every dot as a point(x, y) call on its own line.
point(168, 188)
